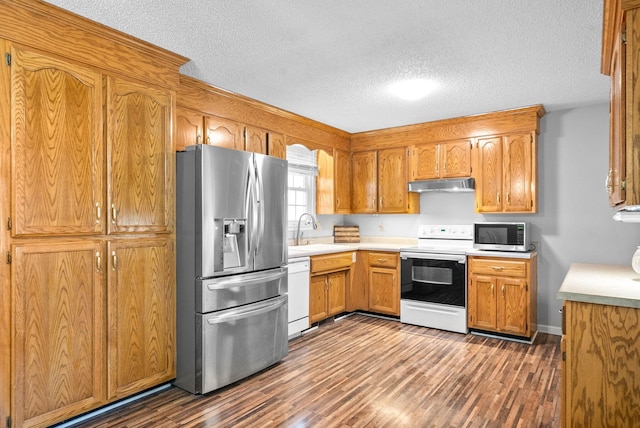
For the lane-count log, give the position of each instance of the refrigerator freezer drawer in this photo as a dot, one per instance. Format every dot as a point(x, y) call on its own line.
point(216, 294)
point(239, 342)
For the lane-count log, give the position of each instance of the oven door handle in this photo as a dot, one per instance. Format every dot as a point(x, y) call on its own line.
point(432, 256)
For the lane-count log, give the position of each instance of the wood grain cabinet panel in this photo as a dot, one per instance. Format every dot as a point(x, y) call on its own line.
point(364, 191)
point(140, 155)
point(223, 133)
point(441, 160)
point(255, 140)
point(384, 291)
point(141, 315)
point(276, 145)
point(506, 173)
point(601, 371)
point(57, 146)
point(189, 128)
point(330, 280)
point(333, 183)
point(380, 182)
point(58, 331)
point(502, 295)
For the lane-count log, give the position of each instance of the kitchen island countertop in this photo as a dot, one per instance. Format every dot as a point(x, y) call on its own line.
point(617, 285)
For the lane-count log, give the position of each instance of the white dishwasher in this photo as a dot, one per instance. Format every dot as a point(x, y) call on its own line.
point(298, 295)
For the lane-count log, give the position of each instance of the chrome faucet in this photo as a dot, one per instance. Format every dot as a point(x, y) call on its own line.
point(313, 221)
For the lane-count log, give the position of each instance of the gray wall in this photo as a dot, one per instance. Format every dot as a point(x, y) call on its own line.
point(573, 223)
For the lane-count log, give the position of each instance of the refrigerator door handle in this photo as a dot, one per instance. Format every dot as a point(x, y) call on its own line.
point(250, 211)
point(246, 280)
point(259, 205)
point(254, 310)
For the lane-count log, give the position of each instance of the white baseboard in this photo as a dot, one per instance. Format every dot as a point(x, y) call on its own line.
point(550, 329)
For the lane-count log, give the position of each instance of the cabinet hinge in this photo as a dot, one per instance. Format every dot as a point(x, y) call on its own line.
point(8, 422)
point(9, 223)
point(526, 287)
point(623, 184)
point(623, 37)
point(531, 138)
point(564, 356)
point(7, 58)
point(9, 258)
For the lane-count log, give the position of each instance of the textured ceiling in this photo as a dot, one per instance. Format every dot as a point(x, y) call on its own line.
point(330, 60)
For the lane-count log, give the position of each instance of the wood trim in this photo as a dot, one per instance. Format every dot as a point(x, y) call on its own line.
point(79, 39)
point(611, 21)
point(200, 96)
point(500, 122)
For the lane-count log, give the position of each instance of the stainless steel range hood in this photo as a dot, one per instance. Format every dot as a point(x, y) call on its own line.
point(466, 184)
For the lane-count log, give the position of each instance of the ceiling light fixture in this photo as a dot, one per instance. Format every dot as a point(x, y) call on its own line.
point(412, 89)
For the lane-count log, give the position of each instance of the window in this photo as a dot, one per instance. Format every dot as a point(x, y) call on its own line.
point(301, 184)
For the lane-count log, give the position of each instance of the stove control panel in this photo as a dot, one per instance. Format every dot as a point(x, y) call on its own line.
point(446, 231)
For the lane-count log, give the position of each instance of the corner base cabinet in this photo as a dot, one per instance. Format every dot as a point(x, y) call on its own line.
point(502, 295)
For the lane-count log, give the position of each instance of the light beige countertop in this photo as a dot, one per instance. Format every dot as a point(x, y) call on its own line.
point(370, 244)
point(506, 254)
point(617, 285)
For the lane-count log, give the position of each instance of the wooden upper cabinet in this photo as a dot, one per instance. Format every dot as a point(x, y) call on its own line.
point(333, 183)
point(425, 162)
point(506, 173)
point(140, 315)
point(519, 163)
point(441, 160)
point(57, 332)
point(364, 189)
point(223, 133)
point(392, 180)
point(255, 140)
point(489, 175)
point(276, 145)
point(140, 156)
point(617, 143)
point(57, 147)
point(189, 128)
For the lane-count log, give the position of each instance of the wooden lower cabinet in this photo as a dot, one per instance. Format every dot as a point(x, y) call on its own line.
point(140, 315)
point(58, 331)
point(384, 283)
point(330, 279)
point(601, 365)
point(502, 295)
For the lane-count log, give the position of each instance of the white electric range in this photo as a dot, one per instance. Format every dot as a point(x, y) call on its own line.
point(433, 288)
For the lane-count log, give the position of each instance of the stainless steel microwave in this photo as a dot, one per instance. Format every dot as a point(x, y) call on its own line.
point(498, 236)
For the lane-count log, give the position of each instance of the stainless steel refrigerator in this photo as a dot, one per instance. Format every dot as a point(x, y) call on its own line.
point(231, 265)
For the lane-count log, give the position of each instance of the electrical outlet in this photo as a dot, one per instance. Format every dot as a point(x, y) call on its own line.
point(381, 226)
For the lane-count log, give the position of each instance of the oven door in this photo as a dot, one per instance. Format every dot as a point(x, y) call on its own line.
point(434, 278)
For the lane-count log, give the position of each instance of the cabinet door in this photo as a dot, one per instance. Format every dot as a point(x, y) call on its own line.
point(425, 162)
point(337, 288)
point(276, 145)
point(482, 302)
point(141, 315)
point(342, 182)
point(325, 182)
point(318, 298)
point(223, 133)
point(518, 172)
point(617, 146)
point(140, 156)
point(189, 128)
point(57, 147)
point(255, 140)
point(58, 331)
point(384, 291)
point(455, 158)
point(364, 172)
point(392, 181)
point(489, 175)
point(513, 308)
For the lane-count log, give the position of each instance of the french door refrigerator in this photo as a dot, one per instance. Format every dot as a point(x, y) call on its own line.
point(231, 265)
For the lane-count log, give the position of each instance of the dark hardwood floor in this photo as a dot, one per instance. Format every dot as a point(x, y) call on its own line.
point(370, 372)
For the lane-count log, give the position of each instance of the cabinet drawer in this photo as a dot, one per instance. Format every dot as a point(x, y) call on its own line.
point(389, 260)
point(498, 267)
point(331, 262)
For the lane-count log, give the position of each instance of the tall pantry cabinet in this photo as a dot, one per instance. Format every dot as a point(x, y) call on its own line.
point(87, 291)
